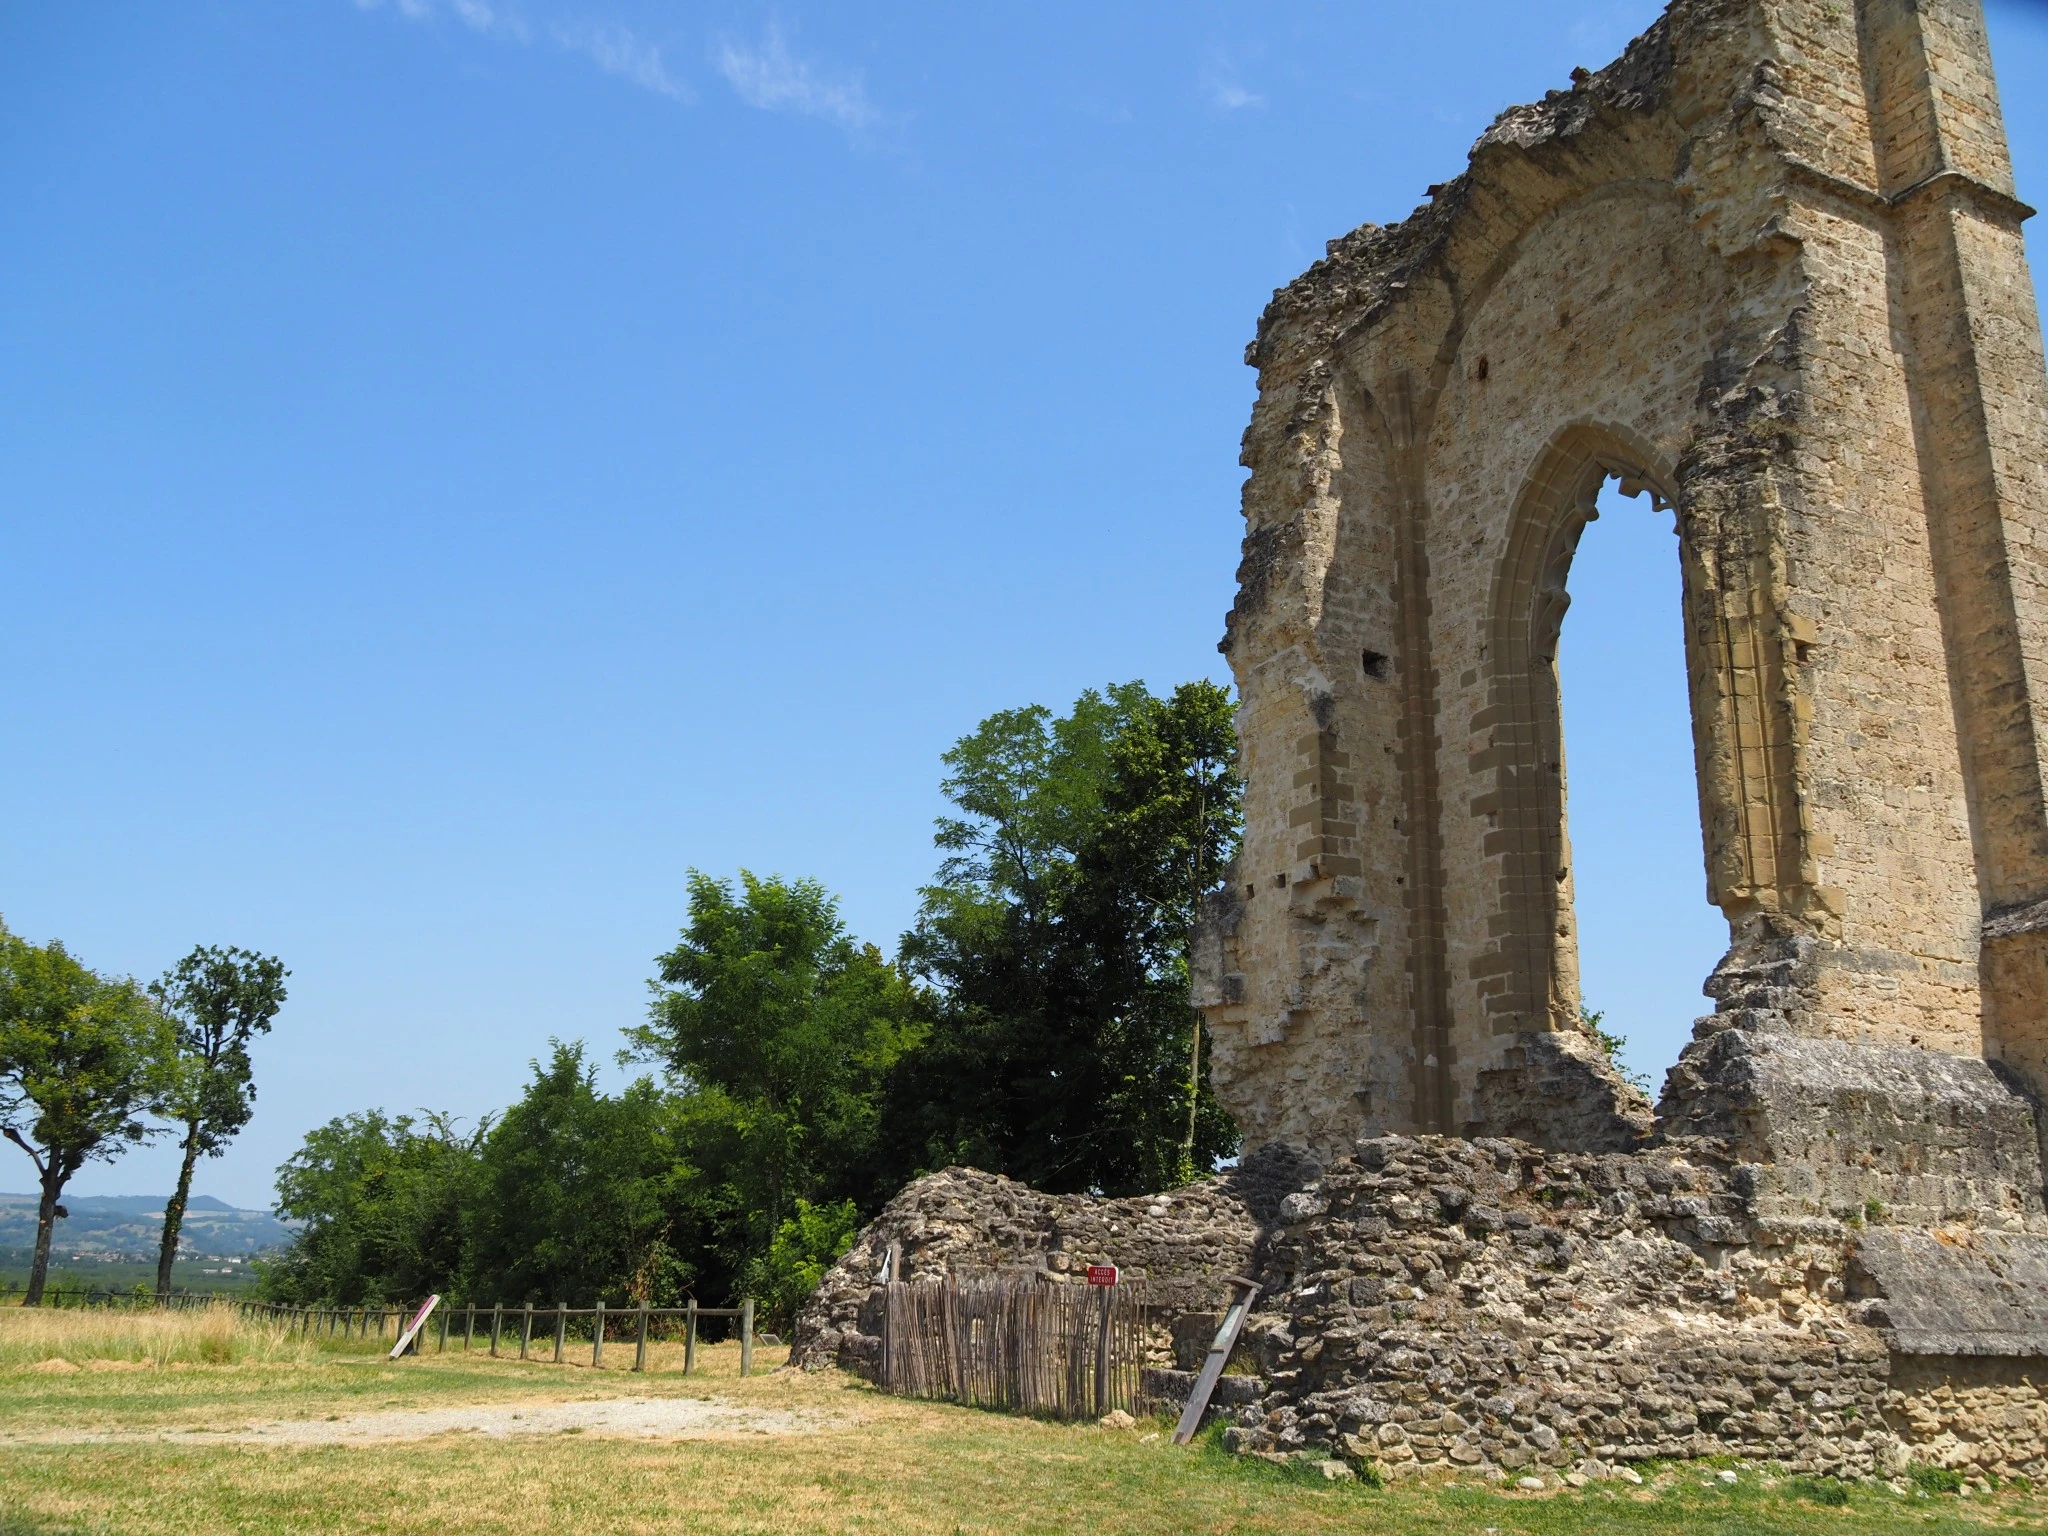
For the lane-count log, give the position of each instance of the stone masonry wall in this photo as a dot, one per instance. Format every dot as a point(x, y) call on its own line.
point(1765, 271)
point(1486, 1306)
point(961, 1222)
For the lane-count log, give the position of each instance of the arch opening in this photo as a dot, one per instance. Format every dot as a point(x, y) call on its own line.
point(1643, 933)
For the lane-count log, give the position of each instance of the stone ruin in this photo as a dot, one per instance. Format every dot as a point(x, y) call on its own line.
point(1766, 269)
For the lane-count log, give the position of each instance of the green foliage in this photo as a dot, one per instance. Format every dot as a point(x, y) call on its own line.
point(1935, 1479)
point(82, 1057)
point(781, 1030)
point(1611, 1044)
point(1055, 940)
point(217, 1001)
point(777, 1031)
point(383, 1200)
point(806, 1245)
point(577, 1195)
point(808, 1077)
point(1829, 1491)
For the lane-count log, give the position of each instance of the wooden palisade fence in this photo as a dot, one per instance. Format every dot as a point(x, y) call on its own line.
point(493, 1326)
point(1065, 1351)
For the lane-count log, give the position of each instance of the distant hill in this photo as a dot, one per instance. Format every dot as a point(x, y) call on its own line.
point(108, 1228)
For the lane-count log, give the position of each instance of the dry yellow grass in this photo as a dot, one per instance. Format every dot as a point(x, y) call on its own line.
point(45, 1339)
point(109, 1453)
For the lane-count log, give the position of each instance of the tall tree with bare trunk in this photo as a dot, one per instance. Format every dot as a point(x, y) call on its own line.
point(217, 1000)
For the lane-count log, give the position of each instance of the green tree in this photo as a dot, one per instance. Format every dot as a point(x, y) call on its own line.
point(580, 1195)
point(81, 1058)
point(384, 1201)
point(779, 1030)
point(217, 1000)
point(1172, 817)
point(1055, 939)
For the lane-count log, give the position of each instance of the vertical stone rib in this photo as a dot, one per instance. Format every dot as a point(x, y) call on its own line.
point(1913, 118)
point(1418, 756)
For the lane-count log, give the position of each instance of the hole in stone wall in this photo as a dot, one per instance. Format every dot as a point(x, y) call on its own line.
point(1375, 665)
point(1646, 935)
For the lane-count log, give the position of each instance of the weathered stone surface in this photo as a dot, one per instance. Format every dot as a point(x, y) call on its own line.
point(1489, 1306)
point(1955, 1291)
point(1836, 1129)
point(1766, 270)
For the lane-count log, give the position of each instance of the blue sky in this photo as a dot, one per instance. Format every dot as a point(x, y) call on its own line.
point(463, 464)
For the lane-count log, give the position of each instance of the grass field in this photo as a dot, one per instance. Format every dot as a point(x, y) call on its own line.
point(132, 1429)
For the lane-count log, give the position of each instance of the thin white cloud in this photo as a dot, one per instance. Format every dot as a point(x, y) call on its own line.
point(614, 49)
point(1221, 85)
point(770, 78)
point(617, 51)
point(478, 15)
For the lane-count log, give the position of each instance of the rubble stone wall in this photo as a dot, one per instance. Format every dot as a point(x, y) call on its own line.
point(1431, 1303)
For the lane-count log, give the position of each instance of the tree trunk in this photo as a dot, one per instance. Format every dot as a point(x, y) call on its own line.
point(1195, 885)
point(46, 1224)
point(174, 1211)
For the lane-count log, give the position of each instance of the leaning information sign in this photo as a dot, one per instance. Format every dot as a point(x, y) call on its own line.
point(419, 1321)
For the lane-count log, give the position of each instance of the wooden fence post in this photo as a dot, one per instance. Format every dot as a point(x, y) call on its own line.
point(561, 1328)
point(597, 1338)
point(690, 1336)
point(747, 1336)
point(442, 1347)
point(640, 1343)
point(497, 1322)
point(882, 1371)
point(469, 1328)
point(1102, 1355)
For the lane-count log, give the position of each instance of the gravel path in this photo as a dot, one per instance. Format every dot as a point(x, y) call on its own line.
point(648, 1418)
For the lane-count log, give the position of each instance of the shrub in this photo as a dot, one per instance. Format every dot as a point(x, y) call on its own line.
point(805, 1246)
point(1935, 1479)
point(1831, 1491)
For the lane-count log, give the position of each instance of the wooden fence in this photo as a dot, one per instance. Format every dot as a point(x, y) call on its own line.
point(634, 1325)
point(1065, 1351)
